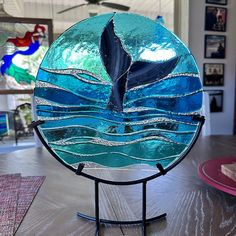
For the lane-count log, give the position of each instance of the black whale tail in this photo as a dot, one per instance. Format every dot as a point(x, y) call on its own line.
point(124, 73)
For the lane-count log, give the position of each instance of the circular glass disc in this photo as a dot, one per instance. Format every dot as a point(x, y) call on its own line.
point(118, 90)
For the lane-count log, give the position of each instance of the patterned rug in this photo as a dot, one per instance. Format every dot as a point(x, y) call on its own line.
point(9, 189)
point(16, 195)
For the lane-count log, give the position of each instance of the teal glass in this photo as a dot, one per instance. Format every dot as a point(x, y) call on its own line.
point(3, 125)
point(118, 90)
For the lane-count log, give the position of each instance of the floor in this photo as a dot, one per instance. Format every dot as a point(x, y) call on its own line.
point(193, 208)
point(8, 144)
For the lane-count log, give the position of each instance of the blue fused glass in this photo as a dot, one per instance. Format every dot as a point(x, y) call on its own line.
point(118, 90)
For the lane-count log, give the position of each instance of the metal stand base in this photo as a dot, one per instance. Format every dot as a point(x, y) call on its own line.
point(117, 222)
point(112, 222)
point(143, 222)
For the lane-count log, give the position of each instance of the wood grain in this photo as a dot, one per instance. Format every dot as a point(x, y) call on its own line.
point(192, 207)
point(16, 91)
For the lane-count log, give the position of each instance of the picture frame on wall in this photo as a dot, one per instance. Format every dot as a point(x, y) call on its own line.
point(215, 18)
point(215, 46)
point(216, 100)
point(217, 2)
point(213, 74)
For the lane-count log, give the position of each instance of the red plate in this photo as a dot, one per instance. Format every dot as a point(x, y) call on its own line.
point(210, 172)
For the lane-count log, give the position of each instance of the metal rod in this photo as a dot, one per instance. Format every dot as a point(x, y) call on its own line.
point(144, 221)
point(139, 181)
point(97, 207)
point(15, 127)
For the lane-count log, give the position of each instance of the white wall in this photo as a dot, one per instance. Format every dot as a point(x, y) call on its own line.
point(3, 103)
point(221, 122)
point(181, 20)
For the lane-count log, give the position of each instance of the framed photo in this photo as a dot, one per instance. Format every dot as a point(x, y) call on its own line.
point(215, 46)
point(216, 100)
point(219, 2)
point(213, 74)
point(215, 18)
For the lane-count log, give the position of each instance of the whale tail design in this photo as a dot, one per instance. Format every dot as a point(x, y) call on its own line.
point(124, 73)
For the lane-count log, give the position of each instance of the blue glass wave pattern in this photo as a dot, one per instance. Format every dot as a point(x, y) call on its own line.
point(118, 90)
point(3, 125)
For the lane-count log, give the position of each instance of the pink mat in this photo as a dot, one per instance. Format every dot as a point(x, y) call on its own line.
point(16, 195)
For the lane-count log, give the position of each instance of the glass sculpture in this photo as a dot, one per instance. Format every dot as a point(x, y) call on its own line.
point(118, 90)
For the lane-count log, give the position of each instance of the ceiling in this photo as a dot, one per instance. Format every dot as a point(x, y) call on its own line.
point(49, 9)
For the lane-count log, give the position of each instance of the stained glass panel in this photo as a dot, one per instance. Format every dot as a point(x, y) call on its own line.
point(118, 90)
point(3, 125)
point(23, 44)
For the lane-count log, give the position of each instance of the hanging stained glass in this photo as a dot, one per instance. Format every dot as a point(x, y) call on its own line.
point(22, 47)
point(118, 90)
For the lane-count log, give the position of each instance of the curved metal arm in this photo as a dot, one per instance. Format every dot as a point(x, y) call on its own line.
point(79, 170)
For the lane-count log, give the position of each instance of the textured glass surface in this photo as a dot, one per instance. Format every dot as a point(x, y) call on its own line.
point(118, 90)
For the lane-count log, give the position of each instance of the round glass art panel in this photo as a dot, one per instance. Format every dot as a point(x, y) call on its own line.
point(118, 90)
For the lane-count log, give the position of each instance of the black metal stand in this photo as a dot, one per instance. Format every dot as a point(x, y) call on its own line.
point(144, 221)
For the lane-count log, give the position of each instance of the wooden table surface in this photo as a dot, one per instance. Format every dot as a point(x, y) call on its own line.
point(193, 208)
